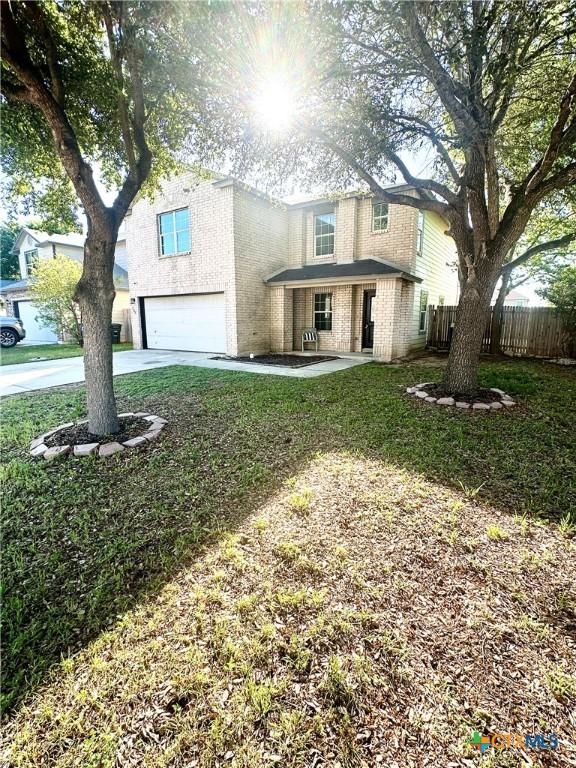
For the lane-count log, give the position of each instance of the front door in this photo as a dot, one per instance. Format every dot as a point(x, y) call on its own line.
point(368, 320)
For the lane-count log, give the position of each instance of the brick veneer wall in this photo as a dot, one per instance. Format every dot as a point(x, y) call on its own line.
point(209, 267)
point(387, 310)
point(281, 318)
point(260, 248)
point(354, 238)
point(339, 339)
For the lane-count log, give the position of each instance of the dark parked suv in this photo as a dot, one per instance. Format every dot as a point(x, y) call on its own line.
point(11, 331)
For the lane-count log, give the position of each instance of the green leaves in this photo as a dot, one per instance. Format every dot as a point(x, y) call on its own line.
point(53, 290)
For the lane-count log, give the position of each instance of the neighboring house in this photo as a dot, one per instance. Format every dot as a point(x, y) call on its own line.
point(4, 284)
point(517, 299)
point(219, 267)
point(32, 244)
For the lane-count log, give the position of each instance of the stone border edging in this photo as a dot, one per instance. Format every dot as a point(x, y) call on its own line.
point(38, 447)
point(419, 391)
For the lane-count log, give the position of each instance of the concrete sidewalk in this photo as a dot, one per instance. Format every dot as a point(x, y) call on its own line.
point(30, 377)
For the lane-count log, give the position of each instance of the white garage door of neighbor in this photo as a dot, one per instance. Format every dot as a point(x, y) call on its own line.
point(35, 331)
point(194, 323)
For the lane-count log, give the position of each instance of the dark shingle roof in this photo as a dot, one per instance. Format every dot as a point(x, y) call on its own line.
point(360, 268)
point(7, 283)
point(14, 285)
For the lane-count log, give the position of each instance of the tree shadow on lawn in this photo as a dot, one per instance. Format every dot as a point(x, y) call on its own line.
point(85, 539)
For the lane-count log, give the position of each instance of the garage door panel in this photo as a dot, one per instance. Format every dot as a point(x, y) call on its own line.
point(35, 330)
point(193, 322)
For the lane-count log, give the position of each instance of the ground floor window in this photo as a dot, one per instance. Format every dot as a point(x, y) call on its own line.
point(423, 311)
point(323, 311)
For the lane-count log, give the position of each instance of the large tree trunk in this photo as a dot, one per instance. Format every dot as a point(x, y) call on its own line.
point(461, 374)
point(95, 294)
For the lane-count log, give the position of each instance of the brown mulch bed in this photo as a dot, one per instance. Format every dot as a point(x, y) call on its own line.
point(285, 361)
point(79, 433)
point(481, 396)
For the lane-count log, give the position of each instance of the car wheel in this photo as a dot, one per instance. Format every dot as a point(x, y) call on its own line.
point(8, 337)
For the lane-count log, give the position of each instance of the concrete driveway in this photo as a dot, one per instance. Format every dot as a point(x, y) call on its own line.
point(28, 377)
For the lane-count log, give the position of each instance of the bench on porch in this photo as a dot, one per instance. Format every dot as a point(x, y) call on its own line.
point(310, 336)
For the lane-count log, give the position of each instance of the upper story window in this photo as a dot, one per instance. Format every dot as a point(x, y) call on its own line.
point(379, 217)
point(323, 311)
point(174, 232)
point(30, 257)
point(324, 226)
point(420, 233)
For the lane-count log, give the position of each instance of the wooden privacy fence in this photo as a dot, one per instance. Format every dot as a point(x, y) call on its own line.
point(526, 331)
point(126, 333)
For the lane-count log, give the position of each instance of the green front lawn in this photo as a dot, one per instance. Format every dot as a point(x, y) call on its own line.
point(296, 568)
point(39, 352)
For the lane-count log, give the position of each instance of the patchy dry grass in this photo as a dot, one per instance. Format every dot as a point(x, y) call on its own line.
point(396, 645)
point(301, 574)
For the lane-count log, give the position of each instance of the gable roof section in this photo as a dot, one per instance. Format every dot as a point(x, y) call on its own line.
point(120, 277)
point(73, 239)
point(362, 269)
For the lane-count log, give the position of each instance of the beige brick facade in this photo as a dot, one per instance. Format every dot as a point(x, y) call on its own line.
point(239, 238)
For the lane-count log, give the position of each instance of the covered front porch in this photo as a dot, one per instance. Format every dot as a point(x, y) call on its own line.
point(354, 313)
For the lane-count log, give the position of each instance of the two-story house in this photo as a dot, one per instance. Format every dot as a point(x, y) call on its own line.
point(218, 267)
point(31, 245)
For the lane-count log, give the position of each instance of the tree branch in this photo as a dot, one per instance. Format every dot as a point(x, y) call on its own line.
point(433, 137)
point(123, 110)
point(445, 85)
point(534, 250)
point(557, 136)
point(423, 204)
point(143, 164)
point(38, 20)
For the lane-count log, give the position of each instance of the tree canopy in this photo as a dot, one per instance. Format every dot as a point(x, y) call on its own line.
point(9, 267)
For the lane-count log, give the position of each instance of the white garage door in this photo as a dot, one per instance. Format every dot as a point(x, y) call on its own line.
point(195, 323)
point(35, 331)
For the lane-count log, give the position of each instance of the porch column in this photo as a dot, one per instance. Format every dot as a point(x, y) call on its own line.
point(281, 318)
point(387, 319)
point(343, 323)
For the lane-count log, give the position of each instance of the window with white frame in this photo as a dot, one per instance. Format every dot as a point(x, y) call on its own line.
point(174, 232)
point(324, 227)
point(30, 257)
point(420, 233)
point(379, 217)
point(423, 312)
point(323, 311)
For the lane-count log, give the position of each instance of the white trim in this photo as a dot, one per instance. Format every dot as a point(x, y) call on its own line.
point(350, 280)
point(174, 211)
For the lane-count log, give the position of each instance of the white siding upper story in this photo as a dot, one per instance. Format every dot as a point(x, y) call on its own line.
point(33, 243)
point(436, 262)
